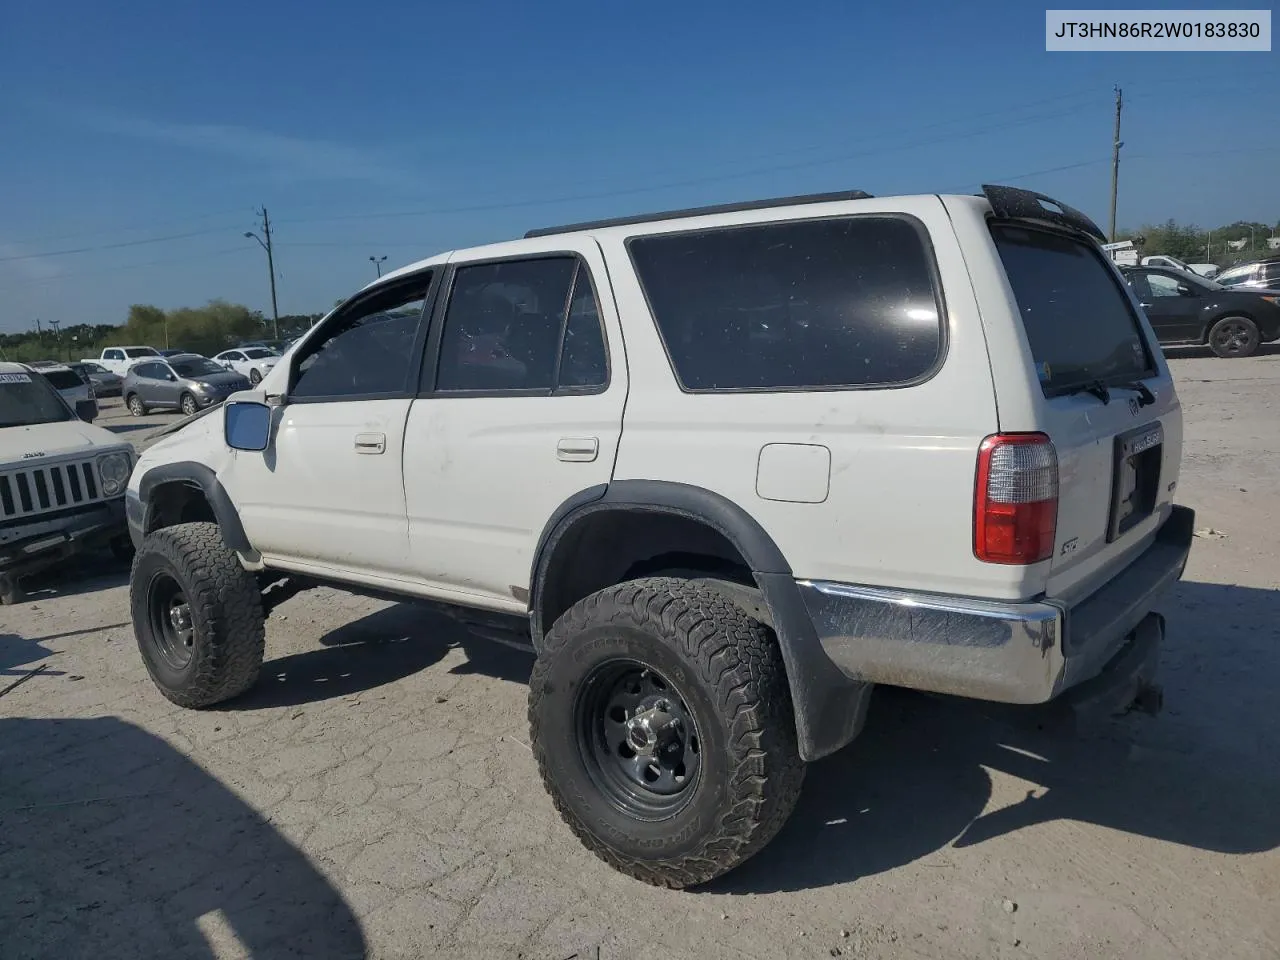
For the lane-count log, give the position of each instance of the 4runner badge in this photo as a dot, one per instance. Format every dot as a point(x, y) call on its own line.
point(33, 455)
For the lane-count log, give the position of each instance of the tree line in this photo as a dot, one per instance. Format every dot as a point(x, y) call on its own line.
point(210, 329)
point(1191, 244)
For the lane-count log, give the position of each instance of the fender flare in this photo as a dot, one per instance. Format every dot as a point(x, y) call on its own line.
point(830, 708)
point(197, 475)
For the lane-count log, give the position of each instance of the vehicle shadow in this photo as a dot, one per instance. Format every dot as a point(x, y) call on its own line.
point(85, 573)
point(1193, 351)
point(116, 845)
point(378, 649)
point(916, 780)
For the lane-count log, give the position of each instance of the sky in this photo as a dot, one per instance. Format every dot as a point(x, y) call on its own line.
point(138, 140)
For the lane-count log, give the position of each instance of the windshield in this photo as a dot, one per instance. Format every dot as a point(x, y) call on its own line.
point(196, 367)
point(26, 400)
point(1080, 323)
point(258, 353)
point(140, 352)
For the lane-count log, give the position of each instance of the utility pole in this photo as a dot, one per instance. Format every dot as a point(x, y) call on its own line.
point(271, 268)
point(1116, 144)
point(377, 264)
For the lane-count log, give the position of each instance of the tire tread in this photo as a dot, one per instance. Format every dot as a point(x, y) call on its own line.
point(738, 660)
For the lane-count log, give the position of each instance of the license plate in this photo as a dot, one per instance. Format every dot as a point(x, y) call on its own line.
point(1136, 480)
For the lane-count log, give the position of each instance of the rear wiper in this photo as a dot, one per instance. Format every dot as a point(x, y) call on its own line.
point(1145, 396)
point(1096, 387)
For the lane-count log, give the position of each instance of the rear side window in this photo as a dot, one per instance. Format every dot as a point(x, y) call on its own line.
point(1079, 321)
point(813, 304)
point(63, 379)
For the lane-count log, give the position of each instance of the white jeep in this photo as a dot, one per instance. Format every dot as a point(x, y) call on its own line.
point(733, 466)
point(62, 479)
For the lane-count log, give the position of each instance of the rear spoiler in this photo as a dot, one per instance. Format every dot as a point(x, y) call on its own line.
point(1012, 203)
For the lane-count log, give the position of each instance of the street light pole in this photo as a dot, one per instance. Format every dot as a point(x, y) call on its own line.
point(271, 268)
point(377, 264)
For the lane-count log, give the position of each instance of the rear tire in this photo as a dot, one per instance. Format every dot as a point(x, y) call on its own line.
point(1233, 337)
point(197, 615)
point(716, 786)
point(135, 405)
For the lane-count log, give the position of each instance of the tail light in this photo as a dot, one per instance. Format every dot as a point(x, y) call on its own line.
point(1015, 507)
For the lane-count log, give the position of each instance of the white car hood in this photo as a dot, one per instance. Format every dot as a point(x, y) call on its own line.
point(53, 440)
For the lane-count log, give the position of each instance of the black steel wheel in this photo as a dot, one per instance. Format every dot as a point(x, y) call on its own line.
point(173, 635)
point(1234, 337)
point(661, 720)
point(637, 738)
point(197, 615)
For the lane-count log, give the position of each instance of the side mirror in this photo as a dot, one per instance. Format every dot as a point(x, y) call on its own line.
point(247, 425)
point(87, 410)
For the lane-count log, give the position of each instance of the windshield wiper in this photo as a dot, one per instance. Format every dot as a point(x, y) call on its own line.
point(1145, 396)
point(1095, 387)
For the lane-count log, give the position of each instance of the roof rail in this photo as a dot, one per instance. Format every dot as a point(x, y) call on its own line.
point(701, 211)
point(1015, 203)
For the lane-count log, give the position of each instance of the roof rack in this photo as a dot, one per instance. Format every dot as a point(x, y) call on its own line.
point(701, 212)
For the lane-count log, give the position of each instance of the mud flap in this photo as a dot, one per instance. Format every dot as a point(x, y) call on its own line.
point(1125, 684)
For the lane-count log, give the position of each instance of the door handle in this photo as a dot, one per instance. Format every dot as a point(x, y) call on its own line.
point(371, 443)
point(578, 449)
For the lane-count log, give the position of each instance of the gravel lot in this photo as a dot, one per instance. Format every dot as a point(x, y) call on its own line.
point(375, 796)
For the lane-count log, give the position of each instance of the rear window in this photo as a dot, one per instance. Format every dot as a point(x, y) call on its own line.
point(1079, 322)
point(813, 304)
point(63, 379)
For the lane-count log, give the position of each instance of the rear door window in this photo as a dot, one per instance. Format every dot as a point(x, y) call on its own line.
point(1080, 323)
point(808, 304)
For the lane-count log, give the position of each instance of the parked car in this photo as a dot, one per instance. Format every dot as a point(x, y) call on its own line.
point(187, 382)
point(62, 480)
point(917, 479)
point(1164, 260)
point(70, 384)
point(105, 383)
point(1185, 309)
point(252, 362)
point(119, 359)
point(1262, 274)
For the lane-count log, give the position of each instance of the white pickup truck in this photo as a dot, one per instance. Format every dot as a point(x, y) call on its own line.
point(119, 359)
point(62, 480)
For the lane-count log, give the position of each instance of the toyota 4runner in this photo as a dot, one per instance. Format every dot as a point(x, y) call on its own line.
point(733, 465)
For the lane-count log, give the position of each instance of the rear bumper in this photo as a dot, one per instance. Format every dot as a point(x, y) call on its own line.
point(1009, 652)
point(45, 541)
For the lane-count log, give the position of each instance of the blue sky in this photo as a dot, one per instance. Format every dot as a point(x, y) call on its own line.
point(150, 131)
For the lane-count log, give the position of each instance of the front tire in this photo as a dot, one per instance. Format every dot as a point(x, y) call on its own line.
point(255, 377)
point(135, 405)
point(188, 404)
point(1233, 337)
point(197, 615)
point(661, 721)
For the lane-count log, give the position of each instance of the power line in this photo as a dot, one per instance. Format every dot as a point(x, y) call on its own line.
point(694, 181)
point(98, 271)
point(112, 246)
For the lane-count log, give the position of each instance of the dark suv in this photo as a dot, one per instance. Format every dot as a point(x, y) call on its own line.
point(1187, 309)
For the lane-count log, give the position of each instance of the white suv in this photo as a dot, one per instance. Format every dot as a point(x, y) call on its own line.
point(733, 466)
